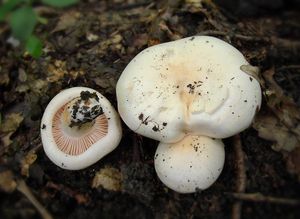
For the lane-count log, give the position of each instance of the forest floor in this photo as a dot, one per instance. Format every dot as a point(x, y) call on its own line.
point(89, 45)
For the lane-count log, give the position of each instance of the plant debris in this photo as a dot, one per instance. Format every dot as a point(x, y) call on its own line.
point(108, 178)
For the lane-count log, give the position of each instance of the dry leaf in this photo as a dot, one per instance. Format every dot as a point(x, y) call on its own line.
point(5, 139)
point(28, 160)
point(38, 85)
point(7, 182)
point(109, 178)
point(194, 6)
point(281, 124)
point(282, 106)
point(4, 77)
point(22, 75)
point(67, 20)
point(270, 128)
point(11, 122)
point(56, 71)
point(91, 37)
point(113, 42)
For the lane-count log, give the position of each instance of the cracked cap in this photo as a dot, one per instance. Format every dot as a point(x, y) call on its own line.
point(195, 85)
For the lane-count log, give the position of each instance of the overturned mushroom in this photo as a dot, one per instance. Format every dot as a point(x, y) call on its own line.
point(195, 85)
point(194, 163)
point(79, 127)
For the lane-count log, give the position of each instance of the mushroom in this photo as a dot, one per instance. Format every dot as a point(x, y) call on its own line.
point(79, 127)
point(195, 85)
point(187, 92)
point(194, 163)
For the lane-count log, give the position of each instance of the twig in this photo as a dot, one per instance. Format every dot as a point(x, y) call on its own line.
point(25, 190)
point(285, 67)
point(132, 6)
point(231, 34)
point(285, 43)
point(258, 197)
point(241, 175)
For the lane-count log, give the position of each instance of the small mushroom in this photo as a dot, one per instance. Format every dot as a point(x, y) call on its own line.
point(79, 127)
point(194, 163)
point(195, 86)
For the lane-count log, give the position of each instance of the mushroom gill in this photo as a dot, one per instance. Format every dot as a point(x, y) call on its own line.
point(83, 137)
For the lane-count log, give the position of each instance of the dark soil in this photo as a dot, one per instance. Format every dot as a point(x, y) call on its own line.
point(89, 45)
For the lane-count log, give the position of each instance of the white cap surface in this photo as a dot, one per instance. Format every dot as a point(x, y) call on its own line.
point(193, 163)
point(97, 141)
point(190, 86)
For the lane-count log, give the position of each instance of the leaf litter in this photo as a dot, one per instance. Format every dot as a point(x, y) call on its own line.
point(89, 45)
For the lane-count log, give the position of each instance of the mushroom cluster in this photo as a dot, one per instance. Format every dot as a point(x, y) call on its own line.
point(188, 94)
point(79, 127)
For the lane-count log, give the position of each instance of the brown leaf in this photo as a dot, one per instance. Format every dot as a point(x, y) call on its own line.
point(109, 178)
point(67, 20)
point(56, 71)
point(4, 77)
point(5, 139)
point(270, 128)
point(113, 43)
point(9, 126)
point(7, 182)
point(194, 6)
point(11, 122)
point(280, 123)
point(282, 106)
point(28, 160)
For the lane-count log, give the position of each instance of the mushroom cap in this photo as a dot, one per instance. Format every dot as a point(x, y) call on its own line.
point(193, 163)
point(76, 150)
point(195, 86)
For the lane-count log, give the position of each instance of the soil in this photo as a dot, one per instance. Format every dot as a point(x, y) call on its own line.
point(89, 44)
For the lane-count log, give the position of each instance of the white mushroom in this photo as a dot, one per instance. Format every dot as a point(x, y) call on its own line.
point(193, 163)
point(79, 127)
point(195, 85)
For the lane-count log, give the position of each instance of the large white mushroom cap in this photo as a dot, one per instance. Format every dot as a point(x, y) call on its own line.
point(79, 127)
point(192, 86)
point(193, 163)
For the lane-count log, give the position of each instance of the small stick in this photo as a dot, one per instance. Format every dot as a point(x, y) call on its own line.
point(289, 44)
point(258, 197)
point(284, 67)
point(238, 36)
point(241, 176)
point(25, 190)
